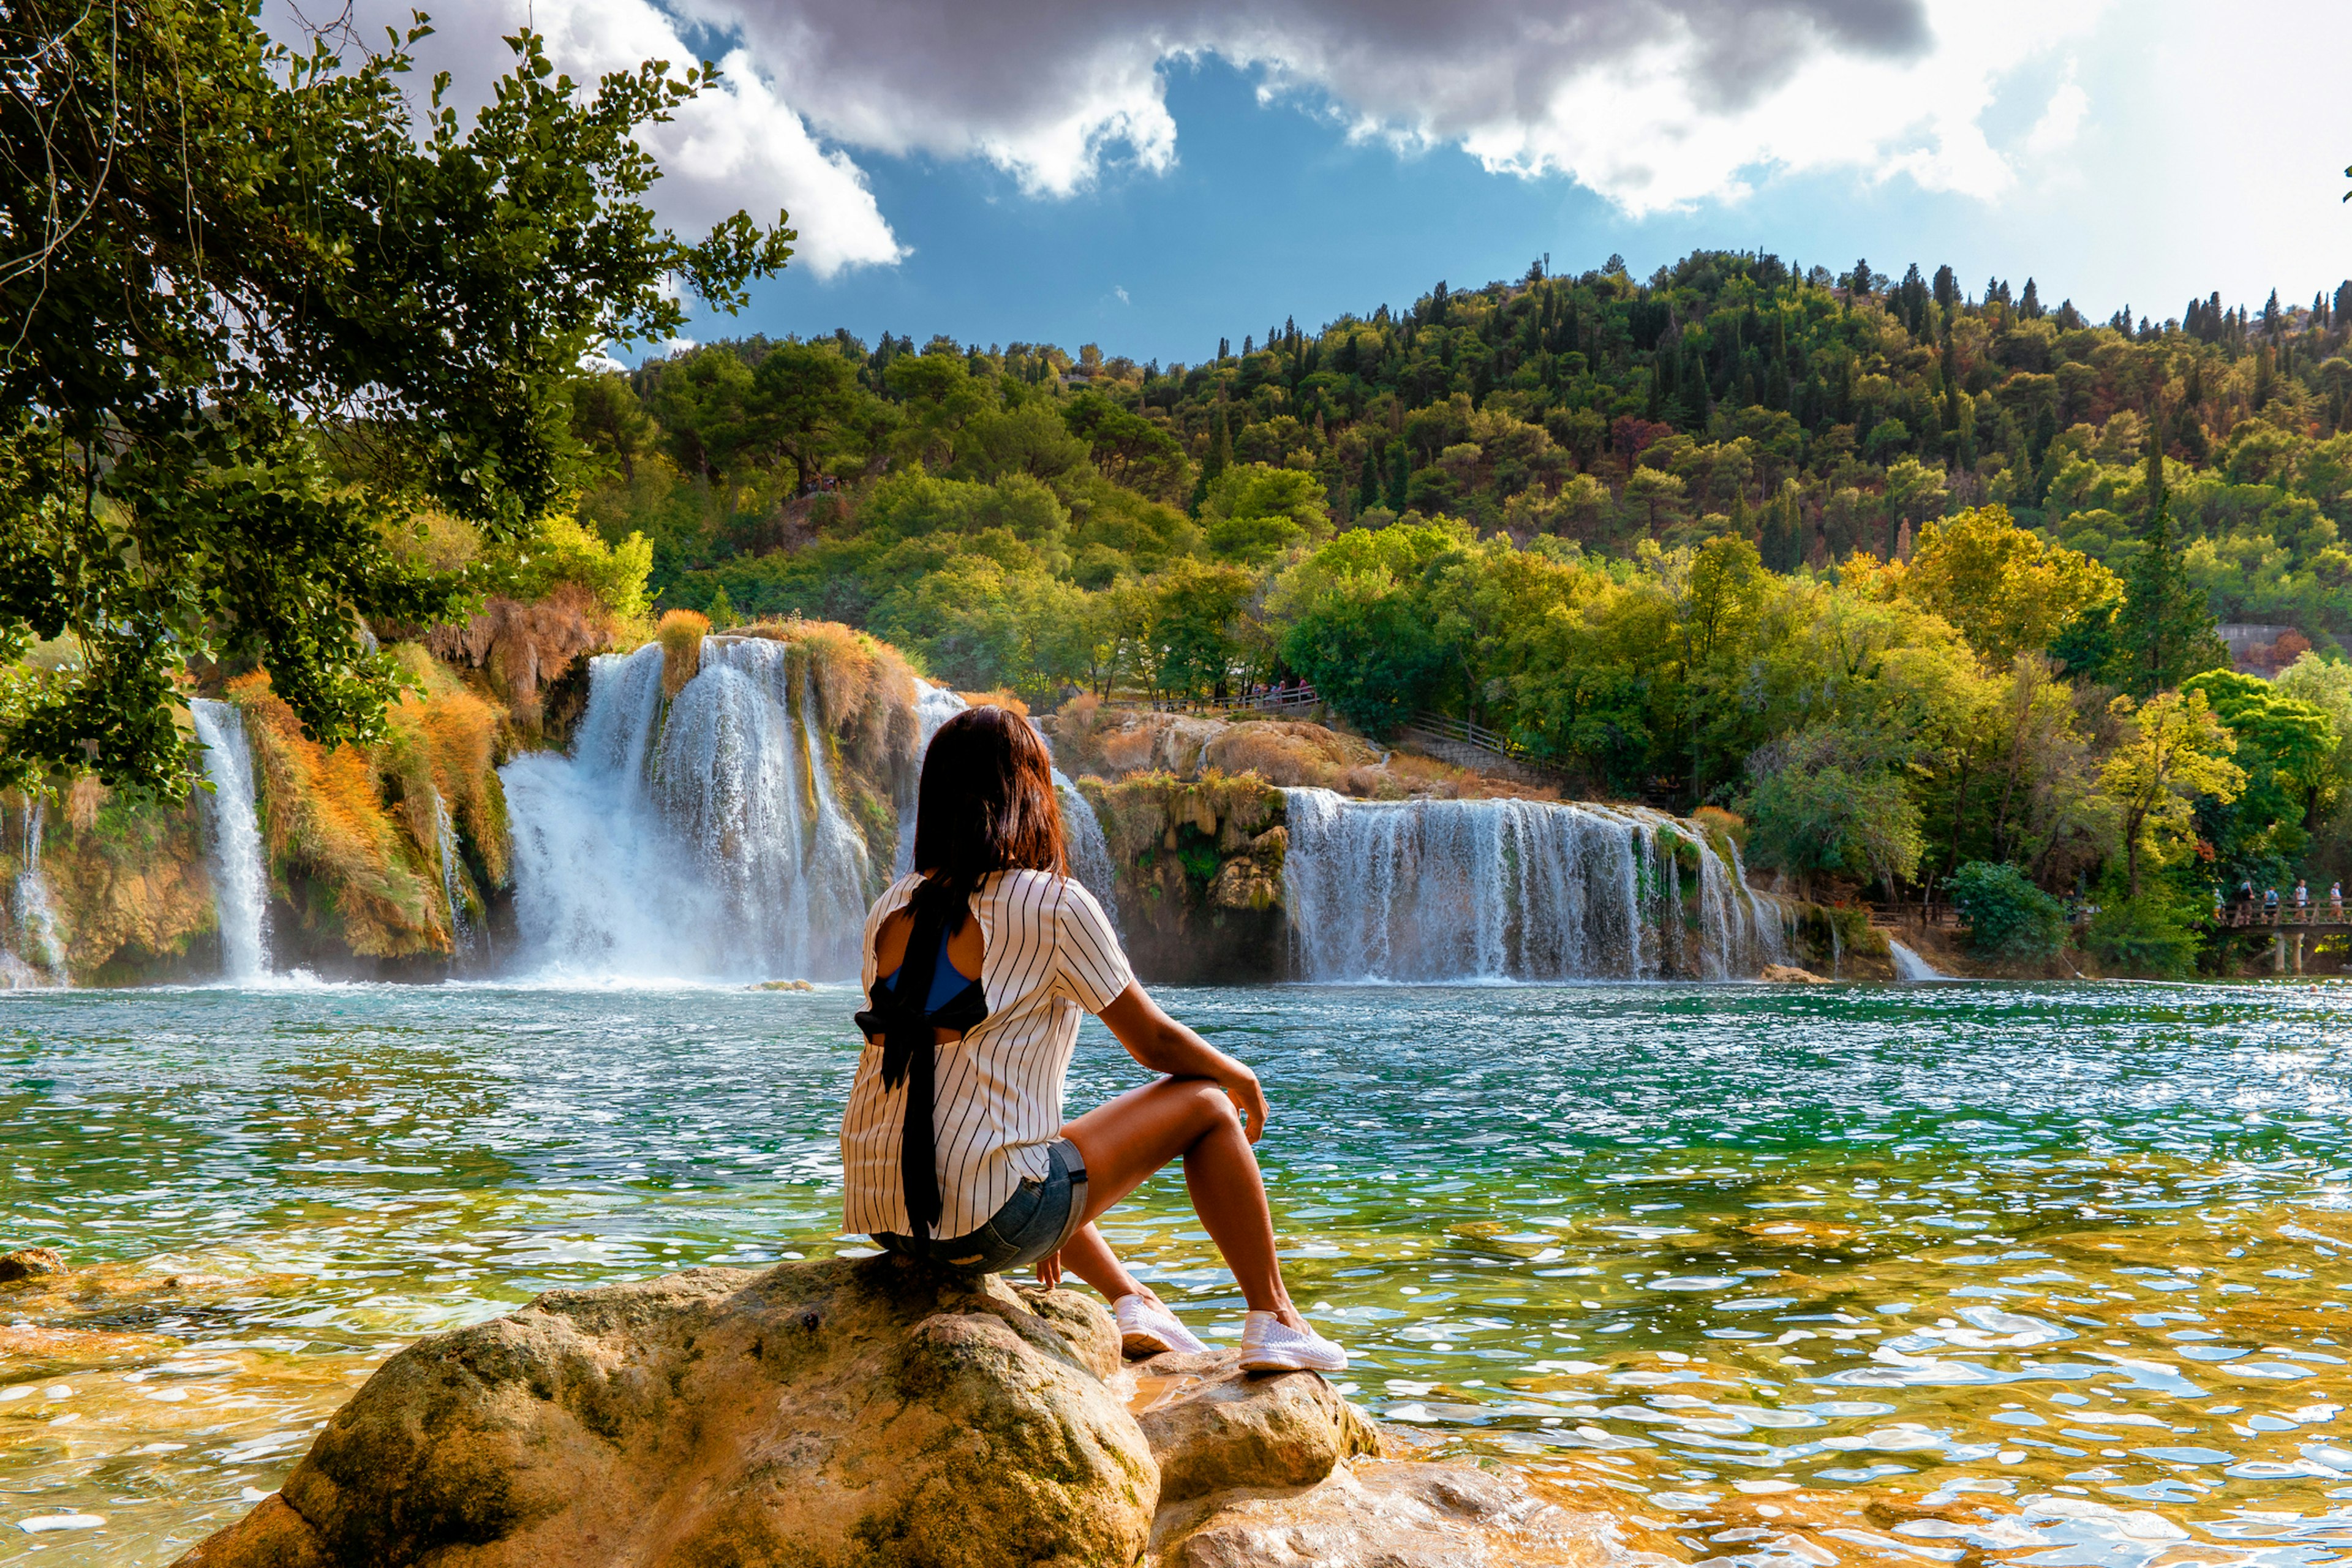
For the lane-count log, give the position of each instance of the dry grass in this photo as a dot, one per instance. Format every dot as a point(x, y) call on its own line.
point(324, 817)
point(681, 633)
point(1288, 754)
point(523, 647)
point(1000, 698)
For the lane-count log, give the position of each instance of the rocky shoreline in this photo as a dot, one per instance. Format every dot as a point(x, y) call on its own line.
point(863, 1414)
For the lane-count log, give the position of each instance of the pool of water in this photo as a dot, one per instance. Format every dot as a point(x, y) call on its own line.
point(1926, 1273)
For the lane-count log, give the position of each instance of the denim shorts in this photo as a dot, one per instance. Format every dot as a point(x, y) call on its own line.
point(1034, 1222)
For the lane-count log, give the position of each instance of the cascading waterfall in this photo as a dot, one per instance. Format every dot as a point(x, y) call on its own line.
point(1495, 889)
point(241, 882)
point(603, 887)
point(1909, 966)
point(740, 771)
point(695, 838)
point(38, 957)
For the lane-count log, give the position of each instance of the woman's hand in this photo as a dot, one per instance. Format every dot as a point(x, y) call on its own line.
point(1241, 1086)
point(1049, 1270)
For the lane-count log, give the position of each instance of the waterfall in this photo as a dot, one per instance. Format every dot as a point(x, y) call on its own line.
point(240, 881)
point(1492, 890)
point(445, 835)
point(41, 957)
point(1089, 851)
point(697, 838)
point(1909, 966)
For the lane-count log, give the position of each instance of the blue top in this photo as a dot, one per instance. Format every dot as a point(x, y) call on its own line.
point(947, 980)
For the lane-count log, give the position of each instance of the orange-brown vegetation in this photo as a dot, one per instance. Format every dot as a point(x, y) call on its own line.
point(336, 854)
point(523, 647)
point(681, 633)
point(126, 883)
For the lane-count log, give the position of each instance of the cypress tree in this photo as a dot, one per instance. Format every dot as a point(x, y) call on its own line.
point(2166, 633)
point(1399, 476)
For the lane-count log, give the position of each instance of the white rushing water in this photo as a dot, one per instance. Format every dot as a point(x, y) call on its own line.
point(1495, 889)
point(240, 878)
point(699, 839)
point(36, 957)
point(1909, 966)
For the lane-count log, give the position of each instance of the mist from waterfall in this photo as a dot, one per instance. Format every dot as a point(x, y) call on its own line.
point(240, 876)
point(1512, 890)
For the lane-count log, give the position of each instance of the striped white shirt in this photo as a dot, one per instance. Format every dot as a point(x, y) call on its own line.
point(1047, 951)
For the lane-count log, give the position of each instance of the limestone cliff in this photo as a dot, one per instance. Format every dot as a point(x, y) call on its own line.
point(1199, 866)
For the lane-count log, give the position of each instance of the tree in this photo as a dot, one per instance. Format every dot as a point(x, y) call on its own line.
point(2006, 590)
point(2007, 915)
point(1825, 802)
point(259, 315)
point(2174, 752)
point(2165, 634)
point(1254, 512)
point(803, 398)
point(1127, 448)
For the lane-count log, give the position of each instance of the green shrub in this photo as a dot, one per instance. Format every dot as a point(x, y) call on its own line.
point(2144, 936)
point(2007, 915)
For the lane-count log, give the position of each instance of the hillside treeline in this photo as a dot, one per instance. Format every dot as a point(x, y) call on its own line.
point(1900, 571)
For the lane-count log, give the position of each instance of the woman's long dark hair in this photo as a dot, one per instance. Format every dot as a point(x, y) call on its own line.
point(986, 804)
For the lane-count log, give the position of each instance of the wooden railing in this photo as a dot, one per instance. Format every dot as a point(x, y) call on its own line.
point(1291, 699)
point(1462, 731)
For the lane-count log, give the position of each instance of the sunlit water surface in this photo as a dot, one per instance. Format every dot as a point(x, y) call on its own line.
point(1913, 1274)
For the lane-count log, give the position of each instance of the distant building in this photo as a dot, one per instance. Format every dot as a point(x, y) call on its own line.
point(2261, 649)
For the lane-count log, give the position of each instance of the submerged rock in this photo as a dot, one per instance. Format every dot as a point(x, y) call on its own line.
point(1384, 1515)
point(859, 1413)
point(1790, 975)
point(30, 1262)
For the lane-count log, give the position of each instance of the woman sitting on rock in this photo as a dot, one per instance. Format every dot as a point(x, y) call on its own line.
point(953, 1147)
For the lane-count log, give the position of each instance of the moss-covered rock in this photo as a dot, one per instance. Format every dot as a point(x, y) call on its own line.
point(1199, 867)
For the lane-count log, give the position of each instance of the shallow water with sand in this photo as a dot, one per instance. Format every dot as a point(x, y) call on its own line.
point(1921, 1274)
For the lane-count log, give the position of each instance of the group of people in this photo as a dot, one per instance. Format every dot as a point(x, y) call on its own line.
point(2271, 905)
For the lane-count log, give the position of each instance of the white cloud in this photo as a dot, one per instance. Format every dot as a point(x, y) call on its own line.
point(1654, 103)
point(2060, 122)
point(1121, 292)
point(736, 146)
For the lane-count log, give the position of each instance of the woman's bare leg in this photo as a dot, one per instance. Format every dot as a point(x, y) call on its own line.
point(1128, 1140)
point(1089, 1257)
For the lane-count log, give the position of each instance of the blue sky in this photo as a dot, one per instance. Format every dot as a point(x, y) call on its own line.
point(1152, 176)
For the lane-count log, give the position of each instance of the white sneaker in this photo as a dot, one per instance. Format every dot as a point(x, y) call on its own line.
point(1269, 1344)
point(1147, 1328)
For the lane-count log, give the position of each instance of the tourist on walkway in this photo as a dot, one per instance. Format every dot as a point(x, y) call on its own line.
point(977, 967)
point(2336, 901)
point(2302, 901)
point(2270, 905)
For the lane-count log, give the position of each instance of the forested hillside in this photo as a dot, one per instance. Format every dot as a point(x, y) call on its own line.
point(1911, 575)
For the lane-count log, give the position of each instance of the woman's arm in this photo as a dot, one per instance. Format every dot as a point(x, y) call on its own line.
point(1163, 1045)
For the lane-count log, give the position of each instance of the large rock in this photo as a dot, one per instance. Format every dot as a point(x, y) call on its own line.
point(1384, 1515)
point(828, 1415)
point(1213, 1426)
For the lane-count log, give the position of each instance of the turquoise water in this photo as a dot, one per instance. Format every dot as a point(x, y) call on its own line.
point(1845, 1274)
